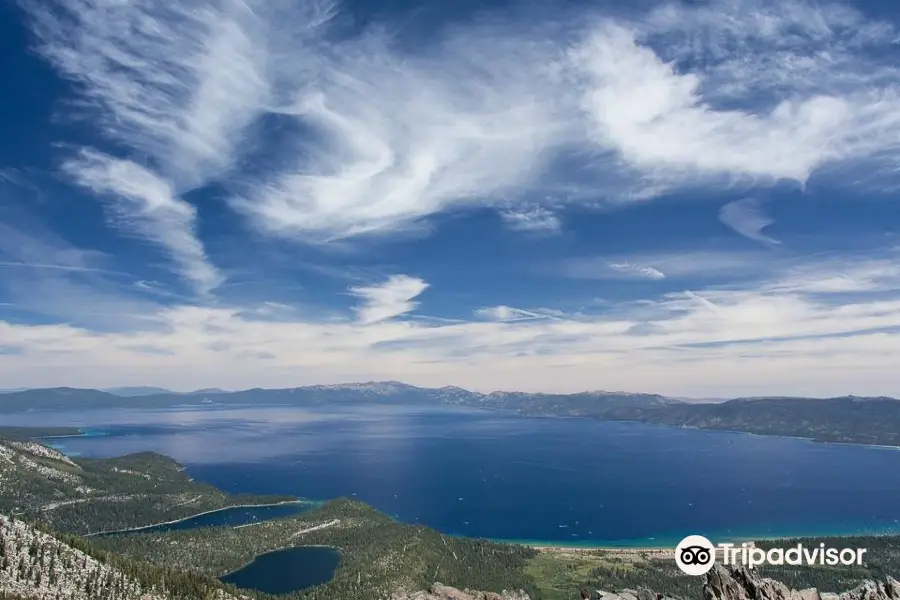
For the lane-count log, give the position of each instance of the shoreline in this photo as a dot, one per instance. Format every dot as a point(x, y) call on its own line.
point(623, 548)
point(85, 432)
point(511, 411)
point(200, 514)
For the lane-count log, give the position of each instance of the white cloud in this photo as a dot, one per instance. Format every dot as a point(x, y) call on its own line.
point(400, 137)
point(750, 48)
point(373, 136)
point(43, 276)
point(658, 120)
point(841, 275)
point(390, 299)
point(534, 220)
point(673, 265)
point(764, 338)
point(508, 313)
point(41, 250)
point(385, 156)
point(177, 83)
point(146, 205)
point(747, 218)
point(637, 271)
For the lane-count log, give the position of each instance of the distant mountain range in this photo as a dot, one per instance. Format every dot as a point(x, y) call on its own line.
point(849, 419)
point(128, 392)
point(134, 391)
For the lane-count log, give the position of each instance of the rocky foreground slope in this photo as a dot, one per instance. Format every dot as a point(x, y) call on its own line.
point(721, 584)
point(745, 584)
point(38, 566)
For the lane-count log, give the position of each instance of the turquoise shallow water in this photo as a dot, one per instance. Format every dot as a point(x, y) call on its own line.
point(560, 481)
point(58, 441)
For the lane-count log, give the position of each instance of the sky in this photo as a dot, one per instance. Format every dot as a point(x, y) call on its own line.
point(688, 198)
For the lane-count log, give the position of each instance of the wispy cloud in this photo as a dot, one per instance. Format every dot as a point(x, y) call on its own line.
point(747, 218)
point(660, 122)
point(757, 48)
point(385, 157)
point(319, 133)
point(146, 206)
point(390, 299)
point(400, 137)
point(532, 220)
point(374, 136)
point(630, 269)
point(35, 247)
point(45, 277)
point(781, 335)
point(509, 313)
point(72, 268)
point(707, 264)
point(176, 85)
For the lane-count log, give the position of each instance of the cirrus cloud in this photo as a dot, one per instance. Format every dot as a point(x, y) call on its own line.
point(388, 299)
point(374, 135)
point(747, 218)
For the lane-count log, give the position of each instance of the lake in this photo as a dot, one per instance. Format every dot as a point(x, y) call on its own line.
point(232, 516)
point(502, 476)
point(288, 570)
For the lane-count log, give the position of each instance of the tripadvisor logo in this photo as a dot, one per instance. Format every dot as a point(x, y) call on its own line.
point(696, 555)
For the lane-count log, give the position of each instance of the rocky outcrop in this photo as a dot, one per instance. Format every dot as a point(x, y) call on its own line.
point(721, 584)
point(627, 594)
point(445, 592)
point(745, 584)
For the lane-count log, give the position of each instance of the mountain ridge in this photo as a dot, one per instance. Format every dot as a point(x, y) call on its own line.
point(399, 386)
point(842, 419)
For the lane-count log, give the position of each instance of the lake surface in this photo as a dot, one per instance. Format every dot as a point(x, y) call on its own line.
point(234, 516)
point(501, 476)
point(287, 570)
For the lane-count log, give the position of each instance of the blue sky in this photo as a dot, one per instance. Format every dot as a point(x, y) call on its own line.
point(694, 198)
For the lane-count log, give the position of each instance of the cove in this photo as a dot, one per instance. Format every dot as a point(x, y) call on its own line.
point(232, 516)
point(288, 570)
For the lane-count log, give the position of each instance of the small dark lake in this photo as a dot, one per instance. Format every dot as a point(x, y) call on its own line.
point(288, 570)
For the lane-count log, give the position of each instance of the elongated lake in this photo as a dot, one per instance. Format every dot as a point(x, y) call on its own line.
point(287, 570)
point(234, 516)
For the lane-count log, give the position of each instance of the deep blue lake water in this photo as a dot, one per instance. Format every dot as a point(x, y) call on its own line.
point(488, 474)
point(234, 516)
point(287, 570)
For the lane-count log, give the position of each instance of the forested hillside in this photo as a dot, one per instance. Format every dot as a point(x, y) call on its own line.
point(40, 484)
point(378, 554)
point(37, 565)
